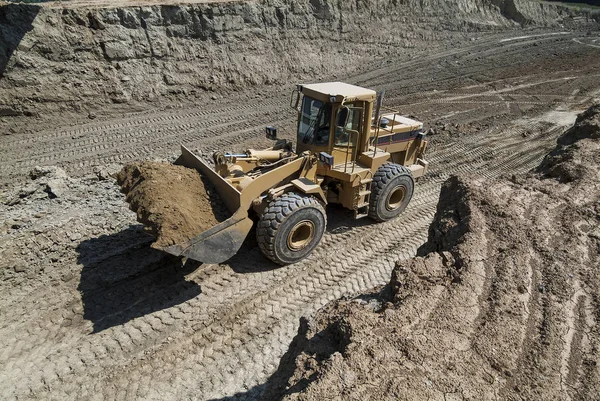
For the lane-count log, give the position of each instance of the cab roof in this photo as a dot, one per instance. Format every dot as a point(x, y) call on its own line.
point(339, 90)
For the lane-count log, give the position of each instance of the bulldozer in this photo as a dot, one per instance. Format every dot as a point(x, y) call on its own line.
point(349, 151)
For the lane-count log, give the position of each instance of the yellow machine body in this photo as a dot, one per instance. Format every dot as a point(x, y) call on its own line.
point(340, 146)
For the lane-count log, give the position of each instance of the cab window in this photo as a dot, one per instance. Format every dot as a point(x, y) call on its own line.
point(315, 122)
point(342, 136)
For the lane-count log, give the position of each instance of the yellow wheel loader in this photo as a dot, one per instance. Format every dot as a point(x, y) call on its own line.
point(346, 153)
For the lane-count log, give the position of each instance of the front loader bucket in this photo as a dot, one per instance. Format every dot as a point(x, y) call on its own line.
point(221, 242)
point(228, 194)
point(216, 244)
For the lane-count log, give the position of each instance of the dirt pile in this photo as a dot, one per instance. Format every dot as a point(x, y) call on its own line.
point(501, 303)
point(577, 156)
point(174, 202)
point(44, 182)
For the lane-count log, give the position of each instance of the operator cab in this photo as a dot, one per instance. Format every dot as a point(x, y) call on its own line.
point(333, 118)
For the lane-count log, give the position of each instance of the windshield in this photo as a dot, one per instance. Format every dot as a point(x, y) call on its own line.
point(315, 119)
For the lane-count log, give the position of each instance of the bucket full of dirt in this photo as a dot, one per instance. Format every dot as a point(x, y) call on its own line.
point(191, 210)
point(174, 202)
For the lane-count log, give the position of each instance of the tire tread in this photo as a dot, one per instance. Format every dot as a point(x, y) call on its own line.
point(274, 216)
point(384, 174)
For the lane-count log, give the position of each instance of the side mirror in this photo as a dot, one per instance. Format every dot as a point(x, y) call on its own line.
point(295, 99)
point(342, 117)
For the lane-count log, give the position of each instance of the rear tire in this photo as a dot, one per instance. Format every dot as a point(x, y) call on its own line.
point(391, 191)
point(290, 228)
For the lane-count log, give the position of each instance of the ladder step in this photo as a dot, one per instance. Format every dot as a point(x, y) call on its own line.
point(364, 193)
point(361, 211)
point(366, 181)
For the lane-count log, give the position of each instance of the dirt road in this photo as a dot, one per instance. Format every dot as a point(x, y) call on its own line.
point(90, 312)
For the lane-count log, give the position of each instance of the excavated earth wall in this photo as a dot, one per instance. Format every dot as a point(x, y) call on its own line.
point(84, 58)
point(502, 303)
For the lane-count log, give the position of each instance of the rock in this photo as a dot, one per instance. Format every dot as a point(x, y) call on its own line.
point(95, 22)
point(107, 172)
point(54, 181)
point(92, 116)
point(14, 201)
point(15, 224)
point(28, 190)
point(56, 188)
point(20, 266)
point(43, 171)
point(68, 276)
point(114, 51)
point(75, 236)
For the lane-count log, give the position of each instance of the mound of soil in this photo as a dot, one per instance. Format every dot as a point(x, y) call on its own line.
point(174, 202)
point(503, 301)
point(577, 151)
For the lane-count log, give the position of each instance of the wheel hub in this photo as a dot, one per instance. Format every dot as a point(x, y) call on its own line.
point(301, 235)
point(396, 198)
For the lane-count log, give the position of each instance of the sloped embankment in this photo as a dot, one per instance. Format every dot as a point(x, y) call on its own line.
point(502, 303)
point(81, 57)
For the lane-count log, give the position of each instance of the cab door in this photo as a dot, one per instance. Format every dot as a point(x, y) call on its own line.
point(347, 139)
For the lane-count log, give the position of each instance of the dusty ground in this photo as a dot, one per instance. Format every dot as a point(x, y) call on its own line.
point(502, 302)
point(174, 202)
point(89, 311)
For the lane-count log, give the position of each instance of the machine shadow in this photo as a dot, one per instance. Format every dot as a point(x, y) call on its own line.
point(123, 278)
point(340, 219)
point(249, 259)
point(15, 21)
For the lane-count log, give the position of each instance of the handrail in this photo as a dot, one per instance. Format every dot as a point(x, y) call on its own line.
point(376, 139)
point(350, 132)
point(347, 151)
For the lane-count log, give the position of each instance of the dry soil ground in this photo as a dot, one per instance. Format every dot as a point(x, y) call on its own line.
point(89, 311)
point(502, 302)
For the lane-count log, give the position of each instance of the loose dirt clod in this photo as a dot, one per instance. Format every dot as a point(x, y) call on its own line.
point(174, 202)
point(501, 303)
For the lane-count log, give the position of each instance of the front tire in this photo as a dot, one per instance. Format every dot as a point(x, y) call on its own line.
point(290, 228)
point(391, 191)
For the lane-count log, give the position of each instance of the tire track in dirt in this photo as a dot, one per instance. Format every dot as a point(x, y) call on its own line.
point(233, 340)
point(426, 197)
point(89, 149)
point(120, 140)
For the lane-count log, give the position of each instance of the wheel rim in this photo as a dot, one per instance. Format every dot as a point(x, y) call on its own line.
point(301, 235)
point(396, 198)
